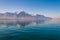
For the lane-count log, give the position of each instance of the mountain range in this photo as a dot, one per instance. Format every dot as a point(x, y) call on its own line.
point(23, 16)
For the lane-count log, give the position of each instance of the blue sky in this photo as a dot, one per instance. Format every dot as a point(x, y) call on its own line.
point(49, 8)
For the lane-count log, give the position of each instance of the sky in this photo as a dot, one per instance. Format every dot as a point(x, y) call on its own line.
point(50, 8)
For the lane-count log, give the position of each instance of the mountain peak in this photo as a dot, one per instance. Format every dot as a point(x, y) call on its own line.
point(23, 14)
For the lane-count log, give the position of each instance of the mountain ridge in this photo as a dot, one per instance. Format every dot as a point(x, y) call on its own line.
point(23, 16)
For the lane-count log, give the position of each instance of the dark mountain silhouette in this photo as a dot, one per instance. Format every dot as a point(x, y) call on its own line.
point(9, 14)
point(23, 14)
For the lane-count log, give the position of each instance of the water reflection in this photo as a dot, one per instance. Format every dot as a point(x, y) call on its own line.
point(14, 23)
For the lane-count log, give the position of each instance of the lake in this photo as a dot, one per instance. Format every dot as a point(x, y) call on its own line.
point(44, 30)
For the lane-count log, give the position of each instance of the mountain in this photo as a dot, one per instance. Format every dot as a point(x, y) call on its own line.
point(23, 14)
point(1, 14)
point(37, 15)
point(9, 14)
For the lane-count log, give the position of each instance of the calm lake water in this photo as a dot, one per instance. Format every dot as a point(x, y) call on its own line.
point(45, 30)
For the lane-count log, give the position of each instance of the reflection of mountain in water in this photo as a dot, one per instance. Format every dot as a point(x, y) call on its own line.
point(8, 23)
point(21, 19)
